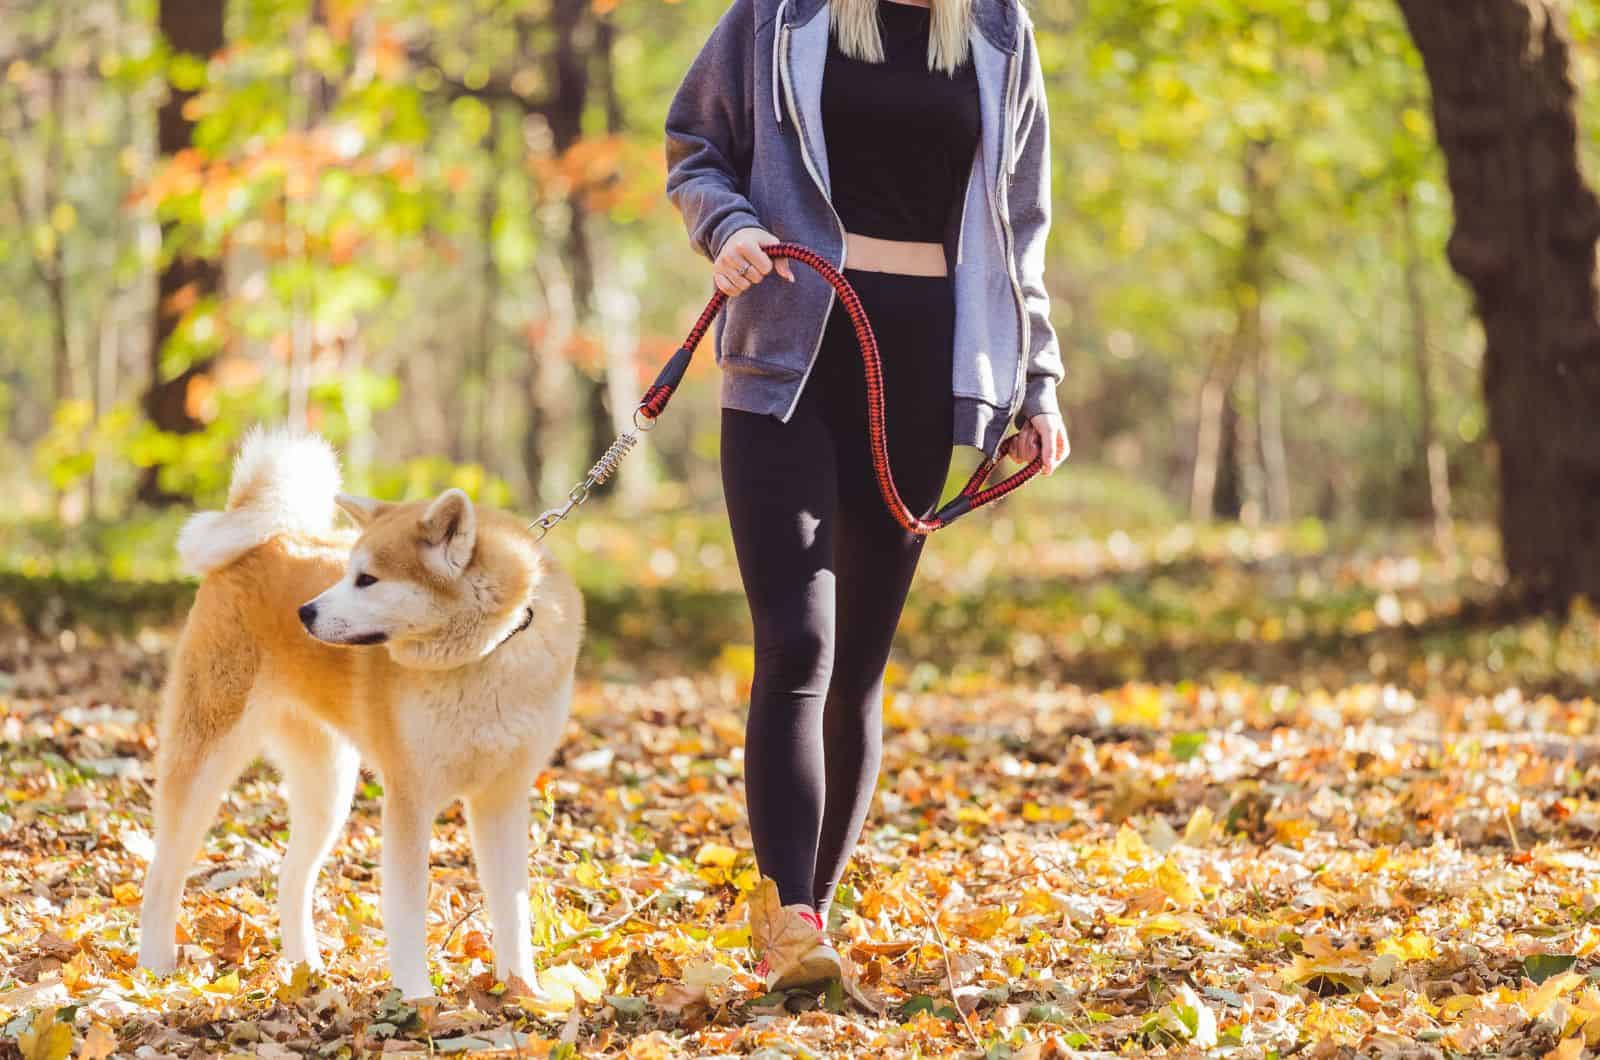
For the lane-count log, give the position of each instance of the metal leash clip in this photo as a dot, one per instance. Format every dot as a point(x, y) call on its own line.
point(603, 469)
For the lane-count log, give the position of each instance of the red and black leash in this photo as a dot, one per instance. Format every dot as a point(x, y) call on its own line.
point(973, 495)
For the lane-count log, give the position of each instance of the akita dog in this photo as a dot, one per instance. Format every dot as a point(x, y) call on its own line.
point(438, 644)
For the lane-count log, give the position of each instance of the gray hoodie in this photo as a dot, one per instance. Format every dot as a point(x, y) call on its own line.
point(745, 148)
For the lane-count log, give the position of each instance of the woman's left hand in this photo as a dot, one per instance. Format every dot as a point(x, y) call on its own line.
point(1045, 434)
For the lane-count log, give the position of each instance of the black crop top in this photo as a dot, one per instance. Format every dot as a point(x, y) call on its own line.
point(900, 137)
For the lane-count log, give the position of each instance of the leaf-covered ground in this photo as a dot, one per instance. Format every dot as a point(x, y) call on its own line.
point(1364, 820)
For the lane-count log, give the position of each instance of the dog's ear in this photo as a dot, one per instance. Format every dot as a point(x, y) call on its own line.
point(450, 530)
point(362, 509)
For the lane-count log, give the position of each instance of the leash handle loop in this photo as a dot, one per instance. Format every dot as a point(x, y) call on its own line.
point(973, 495)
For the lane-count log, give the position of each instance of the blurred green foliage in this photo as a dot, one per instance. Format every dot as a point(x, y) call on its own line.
point(415, 268)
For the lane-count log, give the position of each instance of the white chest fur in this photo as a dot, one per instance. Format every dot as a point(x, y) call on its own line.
point(458, 728)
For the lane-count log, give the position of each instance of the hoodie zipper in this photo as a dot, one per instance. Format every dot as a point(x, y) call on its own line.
point(777, 47)
point(781, 59)
point(1003, 220)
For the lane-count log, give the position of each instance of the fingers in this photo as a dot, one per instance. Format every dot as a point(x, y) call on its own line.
point(729, 280)
point(1063, 446)
point(1053, 444)
point(730, 283)
point(753, 256)
point(1025, 446)
point(743, 263)
point(736, 272)
point(1050, 445)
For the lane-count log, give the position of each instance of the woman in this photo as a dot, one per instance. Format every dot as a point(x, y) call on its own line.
point(909, 144)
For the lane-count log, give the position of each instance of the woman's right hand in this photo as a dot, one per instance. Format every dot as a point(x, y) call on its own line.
point(743, 263)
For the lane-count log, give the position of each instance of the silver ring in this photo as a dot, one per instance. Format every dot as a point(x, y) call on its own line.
point(747, 268)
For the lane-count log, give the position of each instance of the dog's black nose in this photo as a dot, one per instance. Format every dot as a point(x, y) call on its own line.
point(308, 614)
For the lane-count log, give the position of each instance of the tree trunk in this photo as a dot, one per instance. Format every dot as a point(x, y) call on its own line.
point(1433, 468)
point(195, 27)
point(313, 99)
point(1504, 103)
point(479, 382)
point(1226, 481)
point(56, 269)
point(575, 35)
point(1269, 421)
point(546, 374)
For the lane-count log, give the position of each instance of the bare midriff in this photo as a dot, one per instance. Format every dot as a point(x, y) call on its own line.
point(893, 255)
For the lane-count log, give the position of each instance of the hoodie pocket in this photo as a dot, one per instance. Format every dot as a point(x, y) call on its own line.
point(987, 342)
point(759, 333)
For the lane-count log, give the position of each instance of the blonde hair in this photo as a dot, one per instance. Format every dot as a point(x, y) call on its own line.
point(855, 26)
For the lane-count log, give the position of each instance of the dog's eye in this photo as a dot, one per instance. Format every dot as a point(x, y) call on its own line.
point(364, 580)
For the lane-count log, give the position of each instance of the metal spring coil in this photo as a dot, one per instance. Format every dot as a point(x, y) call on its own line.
point(606, 466)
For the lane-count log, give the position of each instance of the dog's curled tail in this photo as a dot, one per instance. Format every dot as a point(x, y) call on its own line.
point(284, 481)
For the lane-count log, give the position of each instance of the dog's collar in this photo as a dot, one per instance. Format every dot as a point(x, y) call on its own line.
point(527, 620)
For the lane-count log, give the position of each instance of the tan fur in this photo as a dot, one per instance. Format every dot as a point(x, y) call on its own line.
point(447, 707)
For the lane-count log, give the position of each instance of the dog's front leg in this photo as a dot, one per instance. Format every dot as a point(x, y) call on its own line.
point(406, 830)
point(498, 818)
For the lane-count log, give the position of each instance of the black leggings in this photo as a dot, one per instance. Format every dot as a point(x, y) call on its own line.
point(826, 571)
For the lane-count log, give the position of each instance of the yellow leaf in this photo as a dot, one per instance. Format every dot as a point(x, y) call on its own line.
point(1411, 946)
point(127, 893)
point(973, 815)
point(298, 985)
point(1036, 901)
point(780, 935)
point(226, 986)
point(1138, 705)
point(64, 217)
point(1034, 813)
point(1381, 970)
point(1294, 831)
point(1198, 830)
point(732, 938)
point(1345, 972)
point(77, 974)
point(984, 924)
point(1569, 1049)
point(1152, 927)
point(551, 997)
point(717, 855)
point(1171, 878)
point(1549, 991)
point(98, 1044)
point(47, 1038)
point(1130, 845)
point(586, 984)
point(738, 661)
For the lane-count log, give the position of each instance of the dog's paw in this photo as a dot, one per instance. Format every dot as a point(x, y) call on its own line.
point(157, 963)
point(312, 960)
point(414, 991)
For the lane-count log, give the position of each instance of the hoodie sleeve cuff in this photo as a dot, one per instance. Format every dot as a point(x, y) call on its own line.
point(1039, 399)
point(727, 227)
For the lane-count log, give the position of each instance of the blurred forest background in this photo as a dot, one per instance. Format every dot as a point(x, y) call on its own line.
point(1269, 720)
point(436, 233)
